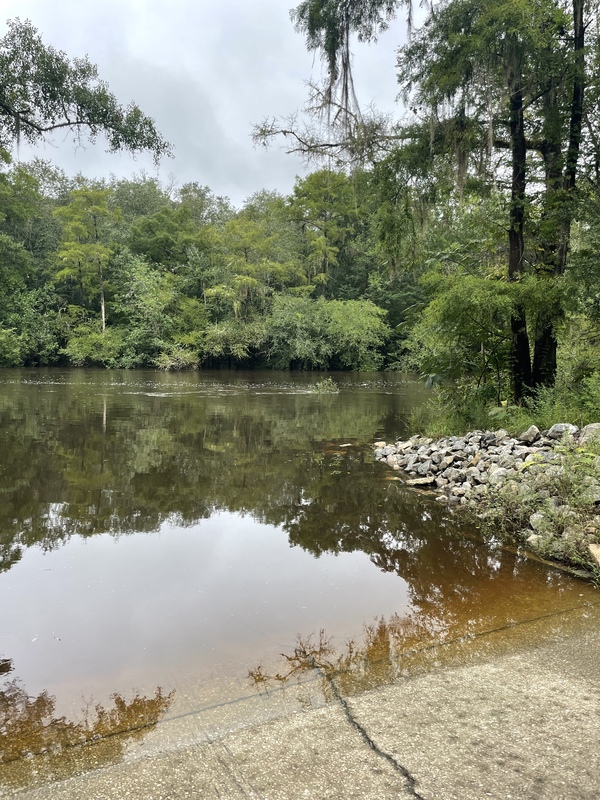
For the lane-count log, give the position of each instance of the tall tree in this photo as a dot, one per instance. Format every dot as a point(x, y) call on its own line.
point(84, 251)
point(505, 87)
point(512, 76)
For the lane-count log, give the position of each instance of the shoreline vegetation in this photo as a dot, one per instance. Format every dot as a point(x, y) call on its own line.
point(539, 490)
point(459, 241)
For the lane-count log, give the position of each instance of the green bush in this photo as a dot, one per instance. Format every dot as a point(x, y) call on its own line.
point(463, 406)
point(10, 348)
point(325, 334)
point(177, 358)
point(89, 346)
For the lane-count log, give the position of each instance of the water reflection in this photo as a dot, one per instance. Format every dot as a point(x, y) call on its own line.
point(82, 455)
point(398, 647)
point(37, 744)
point(92, 453)
point(170, 530)
point(455, 580)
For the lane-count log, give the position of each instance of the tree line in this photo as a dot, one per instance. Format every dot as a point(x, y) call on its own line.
point(459, 240)
point(128, 273)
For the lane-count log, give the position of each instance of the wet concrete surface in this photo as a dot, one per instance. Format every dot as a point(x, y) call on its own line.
point(515, 714)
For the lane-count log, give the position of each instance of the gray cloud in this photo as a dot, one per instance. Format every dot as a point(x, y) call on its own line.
point(205, 72)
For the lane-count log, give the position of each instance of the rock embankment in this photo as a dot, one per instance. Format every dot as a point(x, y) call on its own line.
point(533, 474)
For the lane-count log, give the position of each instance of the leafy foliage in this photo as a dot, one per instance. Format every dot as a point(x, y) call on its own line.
point(459, 242)
point(42, 90)
point(501, 105)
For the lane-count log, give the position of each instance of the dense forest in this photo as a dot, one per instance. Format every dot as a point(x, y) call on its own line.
point(460, 240)
point(128, 273)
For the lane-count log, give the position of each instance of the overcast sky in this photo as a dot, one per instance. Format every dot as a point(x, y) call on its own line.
point(205, 71)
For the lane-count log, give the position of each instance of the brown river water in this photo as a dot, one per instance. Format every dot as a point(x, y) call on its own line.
point(173, 545)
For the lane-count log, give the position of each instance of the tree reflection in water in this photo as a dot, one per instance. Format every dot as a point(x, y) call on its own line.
point(80, 456)
point(459, 586)
point(36, 742)
point(88, 453)
point(457, 583)
point(388, 650)
point(125, 459)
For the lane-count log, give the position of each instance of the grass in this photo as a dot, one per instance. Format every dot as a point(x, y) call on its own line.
point(455, 411)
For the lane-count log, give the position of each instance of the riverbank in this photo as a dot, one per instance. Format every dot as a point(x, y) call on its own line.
point(540, 490)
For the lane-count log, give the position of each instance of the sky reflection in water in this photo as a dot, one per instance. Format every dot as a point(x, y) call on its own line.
point(175, 531)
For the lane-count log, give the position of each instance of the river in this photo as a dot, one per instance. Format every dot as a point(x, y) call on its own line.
point(165, 536)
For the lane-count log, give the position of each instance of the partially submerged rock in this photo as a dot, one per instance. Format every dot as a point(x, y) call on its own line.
point(421, 481)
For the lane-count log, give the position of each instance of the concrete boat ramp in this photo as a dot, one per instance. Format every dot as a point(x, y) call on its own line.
point(513, 713)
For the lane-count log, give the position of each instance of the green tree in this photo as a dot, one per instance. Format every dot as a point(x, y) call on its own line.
point(259, 255)
point(137, 197)
point(501, 90)
point(205, 207)
point(159, 325)
point(15, 261)
point(324, 206)
point(26, 215)
point(298, 335)
point(42, 90)
point(165, 236)
point(321, 334)
point(495, 75)
point(84, 251)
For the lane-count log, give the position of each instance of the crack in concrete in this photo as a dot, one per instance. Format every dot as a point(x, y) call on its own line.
point(411, 781)
point(341, 700)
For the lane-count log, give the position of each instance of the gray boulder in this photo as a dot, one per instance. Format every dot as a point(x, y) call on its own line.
point(534, 540)
point(531, 435)
point(558, 431)
point(447, 462)
point(539, 522)
point(454, 474)
point(473, 475)
point(594, 550)
point(591, 495)
point(590, 432)
point(412, 459)
point(499, 475)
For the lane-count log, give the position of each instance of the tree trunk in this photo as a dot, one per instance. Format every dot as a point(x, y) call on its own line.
point(80, 284)
point(520, 360)
point(545, 345)
point(575, 126)
point(100, 275)
point(544, 359)
point(102, 304)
